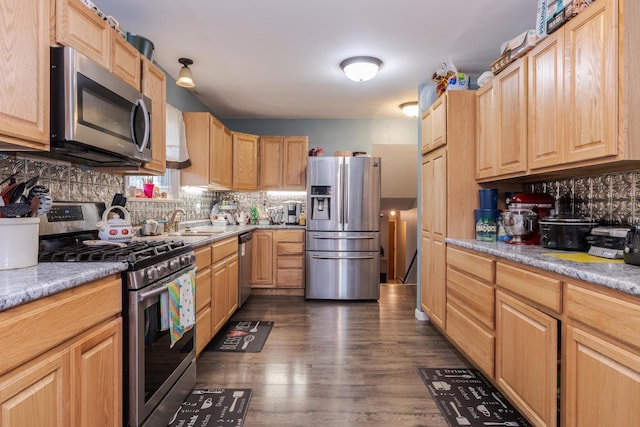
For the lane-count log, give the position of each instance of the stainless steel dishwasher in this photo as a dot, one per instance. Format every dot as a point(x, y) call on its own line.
point(244, 267)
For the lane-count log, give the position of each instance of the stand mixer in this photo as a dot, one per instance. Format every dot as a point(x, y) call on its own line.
point(521, 220)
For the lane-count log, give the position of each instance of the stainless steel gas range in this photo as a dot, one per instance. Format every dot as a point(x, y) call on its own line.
point(157, 375)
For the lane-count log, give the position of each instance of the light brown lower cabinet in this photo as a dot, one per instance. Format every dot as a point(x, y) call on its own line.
point(527, 358)
point(216, 288)
point(68, 370)
point(553, 334)
point(278, 261)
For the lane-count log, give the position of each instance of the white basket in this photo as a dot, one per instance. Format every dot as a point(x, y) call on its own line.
point(19, 242)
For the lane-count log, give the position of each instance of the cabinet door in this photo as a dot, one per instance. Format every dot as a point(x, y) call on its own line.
point(546, 102)
point(198, 131)
point(232, 285)
point(154, 87)
point(486, 132)
point(439, 122)
point(125, 60)
point(262, 259)
point(592, 82)
point(526, 358)
point(295, 163)
point(79, 27)
point(217, 156)
point(245, 161)
point(227, 156)
point(96, 377)
point(271, 162)
point(426, 130)
point(37, 394)
point(204, 290)
point(438, 197)
point(24, 103)
point(511, 108)
point(219, 295)
point(426, 216)
point(438, 282)
point(426, 296)
point(612, 371)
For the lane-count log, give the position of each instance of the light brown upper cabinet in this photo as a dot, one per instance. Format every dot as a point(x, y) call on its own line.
point(434, 125)
point(199, 132)
point(221, 152)
point(154, 86)
point(245, 161)
point(283, 162)
point(24, 111)
point(79, 27)
point(546, 102)
point(486, 128)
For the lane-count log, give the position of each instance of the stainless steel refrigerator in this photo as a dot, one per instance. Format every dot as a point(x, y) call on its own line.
point(343, 228)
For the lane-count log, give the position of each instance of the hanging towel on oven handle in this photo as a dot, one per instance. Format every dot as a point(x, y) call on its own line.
point(182, 305)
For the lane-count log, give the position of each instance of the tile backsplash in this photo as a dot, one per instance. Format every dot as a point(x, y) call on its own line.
point(612, 198)
point(73, 184)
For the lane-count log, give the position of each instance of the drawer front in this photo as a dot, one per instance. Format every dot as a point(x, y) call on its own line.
point(475, 298)
point(224, 249)
point(290, 248)
point(290, 278)
point(540, 289)
point(477, 265)
point(293, 236)
point(616, 317)
point(477, 343)
point(203, 257)
point(291, 262)
point(203, 289)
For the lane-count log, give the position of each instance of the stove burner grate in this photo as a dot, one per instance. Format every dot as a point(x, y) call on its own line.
point(132, 253)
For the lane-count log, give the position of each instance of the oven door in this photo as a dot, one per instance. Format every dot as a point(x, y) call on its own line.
point(154, 366)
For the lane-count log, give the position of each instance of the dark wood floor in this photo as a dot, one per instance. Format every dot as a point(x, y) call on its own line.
point(336, 363)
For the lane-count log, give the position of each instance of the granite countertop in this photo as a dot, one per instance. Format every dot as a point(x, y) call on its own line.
point(614, 275)
point(23, 285)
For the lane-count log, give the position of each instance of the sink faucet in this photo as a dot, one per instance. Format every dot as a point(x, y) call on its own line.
point(172, 225)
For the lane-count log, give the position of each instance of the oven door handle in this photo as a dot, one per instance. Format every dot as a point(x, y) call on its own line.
point(153, 292)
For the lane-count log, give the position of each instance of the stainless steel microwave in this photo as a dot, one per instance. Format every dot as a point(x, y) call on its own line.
point(97, 119)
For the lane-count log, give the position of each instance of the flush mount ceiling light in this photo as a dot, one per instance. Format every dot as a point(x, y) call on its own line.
point(361, 68)
point(185, 78)
point(410, 108)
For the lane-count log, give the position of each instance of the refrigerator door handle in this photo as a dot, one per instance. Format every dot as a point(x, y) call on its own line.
point(340, 258)
point(340, 195)
point(317, 236)
point(345, 219)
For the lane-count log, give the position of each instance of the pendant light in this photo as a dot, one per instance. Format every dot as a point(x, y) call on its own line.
point(185, 78)
point(361, 68)
point(410, 108)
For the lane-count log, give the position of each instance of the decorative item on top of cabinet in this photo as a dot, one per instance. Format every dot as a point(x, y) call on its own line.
point(24, 116)
point(245, 161)
point(283, 162)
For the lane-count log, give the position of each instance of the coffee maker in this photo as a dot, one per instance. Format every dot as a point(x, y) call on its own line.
point(292, 211)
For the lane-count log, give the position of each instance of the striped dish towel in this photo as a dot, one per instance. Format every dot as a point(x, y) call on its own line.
point(182, 306)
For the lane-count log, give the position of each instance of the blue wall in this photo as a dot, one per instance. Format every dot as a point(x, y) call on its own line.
point(334, 134)
point(180, 97)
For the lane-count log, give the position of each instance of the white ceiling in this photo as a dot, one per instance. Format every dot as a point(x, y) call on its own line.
point(279, 58)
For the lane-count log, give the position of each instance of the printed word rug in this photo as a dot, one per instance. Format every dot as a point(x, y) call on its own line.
point(241, 336)
point(466, 398)
point(219, 407)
